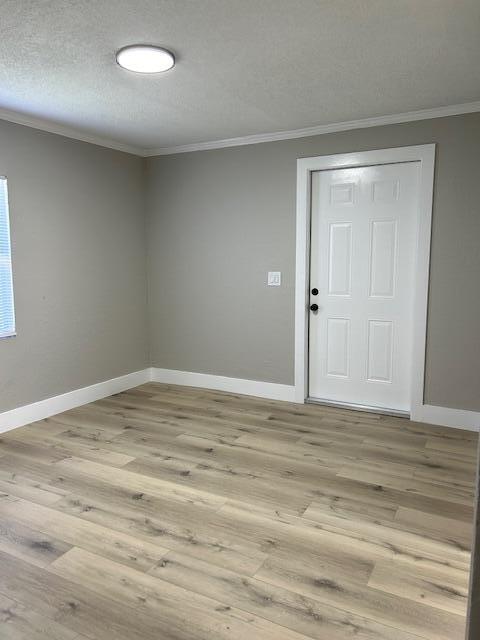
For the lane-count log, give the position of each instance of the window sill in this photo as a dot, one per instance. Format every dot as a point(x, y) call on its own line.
point(8, 335)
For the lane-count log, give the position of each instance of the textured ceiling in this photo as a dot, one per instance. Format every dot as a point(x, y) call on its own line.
point(243, 66)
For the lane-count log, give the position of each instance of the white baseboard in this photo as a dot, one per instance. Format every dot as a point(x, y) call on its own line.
point(51, 406)
point(270, 390)
point(456, 418)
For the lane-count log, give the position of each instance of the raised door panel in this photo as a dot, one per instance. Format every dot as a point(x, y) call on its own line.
point(380, 351)
point(383, 258)
point(338, 352)
point(340, 259)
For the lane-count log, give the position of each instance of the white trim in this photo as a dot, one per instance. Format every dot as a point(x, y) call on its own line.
point(425, 154)
point(456, 418)
point(397, 118)
point(51, 406)
point(269, 390)
point(67, 132)
point(257, 138)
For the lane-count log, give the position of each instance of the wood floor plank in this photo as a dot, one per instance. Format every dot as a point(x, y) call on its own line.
point(26, 543)
point(387, 609)
point(156, 513)
point(225, 483)
point(437, 590)
point(168, 518)
point(74, 606)
point(19, 622)
point(15, 483)
point(29, 450)
point(88, 451)
point(460, 447)
point(421, 459)
point(190, 514)
point(99, 424)
point(431, 430)
point(139, 482)
point(457, 531)
point(397, 534)
point(377, 493)
point(276, 604)
point(205, 542)
point(118, 546)
point(170, 606)
point(346, 548)
point(318, 453)
point(351, 507)
point(409, 485)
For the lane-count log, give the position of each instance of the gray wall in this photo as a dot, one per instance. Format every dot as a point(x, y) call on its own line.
point(218, 220)
point(78, 243)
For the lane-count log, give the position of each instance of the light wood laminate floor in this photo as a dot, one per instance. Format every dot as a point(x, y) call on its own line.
point(168, 513)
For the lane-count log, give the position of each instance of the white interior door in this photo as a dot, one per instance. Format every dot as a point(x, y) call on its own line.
point(363, 237)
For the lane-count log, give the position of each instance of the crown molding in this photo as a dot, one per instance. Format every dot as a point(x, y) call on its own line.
point(398, 118)
point(67, 132)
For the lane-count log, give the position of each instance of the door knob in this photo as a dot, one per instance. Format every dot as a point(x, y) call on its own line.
point(314, 307)
point(315, 291)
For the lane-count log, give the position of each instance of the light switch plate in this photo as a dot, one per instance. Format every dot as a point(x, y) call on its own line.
point(274, 278)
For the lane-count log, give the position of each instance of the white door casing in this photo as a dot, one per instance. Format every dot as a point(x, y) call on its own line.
point(425, 156)
point(363, 235)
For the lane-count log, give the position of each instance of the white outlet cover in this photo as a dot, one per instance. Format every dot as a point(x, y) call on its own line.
point(274, 278)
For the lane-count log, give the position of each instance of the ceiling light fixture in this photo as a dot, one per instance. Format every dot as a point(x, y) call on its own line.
point(145, 58)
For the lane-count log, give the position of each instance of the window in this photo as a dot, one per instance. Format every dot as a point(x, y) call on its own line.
point(7, 313)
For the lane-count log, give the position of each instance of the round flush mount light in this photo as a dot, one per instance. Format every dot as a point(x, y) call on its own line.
point(145, 58)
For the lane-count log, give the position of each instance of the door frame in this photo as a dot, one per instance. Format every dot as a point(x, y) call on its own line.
point(425, 155)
